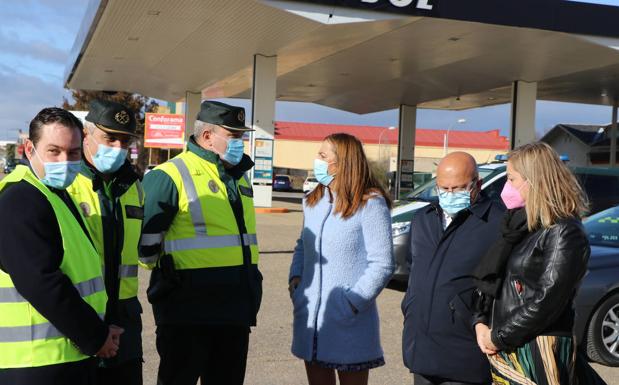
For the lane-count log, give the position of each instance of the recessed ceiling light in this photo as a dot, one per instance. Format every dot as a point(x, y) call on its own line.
point(604, 94)
point(153, 13)
point(108, 71)
point(311, 85)
point(393, 59)
point(491, 98)
point(453, 38)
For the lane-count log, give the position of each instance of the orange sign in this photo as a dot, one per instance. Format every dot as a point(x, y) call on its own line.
point(164, 130)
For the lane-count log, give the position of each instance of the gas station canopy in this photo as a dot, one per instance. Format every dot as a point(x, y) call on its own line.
point(355, 55)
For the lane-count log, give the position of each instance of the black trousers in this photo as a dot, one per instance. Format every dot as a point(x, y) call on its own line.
point(420, 379)
point(74, 373)
point(127, 373)
point(216, 354)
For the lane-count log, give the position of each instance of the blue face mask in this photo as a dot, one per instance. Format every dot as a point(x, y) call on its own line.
point(321, 172)
point(454, 202)
point(234, 151)
point(59, 175)
point(109, 159)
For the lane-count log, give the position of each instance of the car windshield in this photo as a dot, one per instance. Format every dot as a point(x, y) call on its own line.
point(427, 191)
point(603, 228)
point(311, 180)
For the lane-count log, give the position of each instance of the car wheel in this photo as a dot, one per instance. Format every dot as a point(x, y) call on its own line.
point(602, 342)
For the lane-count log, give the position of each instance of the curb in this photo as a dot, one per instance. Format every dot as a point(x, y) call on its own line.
point(271, 210)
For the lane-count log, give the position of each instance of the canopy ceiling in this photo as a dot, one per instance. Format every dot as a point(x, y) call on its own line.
point(353, 59)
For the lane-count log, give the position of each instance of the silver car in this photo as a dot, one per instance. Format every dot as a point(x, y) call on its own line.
point(597, 302)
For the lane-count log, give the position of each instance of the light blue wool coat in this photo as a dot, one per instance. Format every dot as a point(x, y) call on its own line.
point(341, 262)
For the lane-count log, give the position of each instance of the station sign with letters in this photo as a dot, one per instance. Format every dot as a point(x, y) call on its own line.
point(164, 130)
point(552, 15)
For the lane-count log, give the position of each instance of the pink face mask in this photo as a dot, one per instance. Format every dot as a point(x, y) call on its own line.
point(511, 196)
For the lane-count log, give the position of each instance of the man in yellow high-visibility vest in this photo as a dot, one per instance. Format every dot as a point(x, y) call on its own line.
point(109, 195)
point(52, 296)
point(200, 232)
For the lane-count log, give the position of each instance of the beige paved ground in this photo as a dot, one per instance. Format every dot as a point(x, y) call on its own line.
point(270, 361)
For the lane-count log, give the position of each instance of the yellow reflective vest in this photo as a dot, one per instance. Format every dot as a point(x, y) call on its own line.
point(27, 339)
point(204, 233)
point(87, 200)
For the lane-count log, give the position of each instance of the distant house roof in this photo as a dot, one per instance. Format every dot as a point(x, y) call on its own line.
point(370, 135)
point(586, 133)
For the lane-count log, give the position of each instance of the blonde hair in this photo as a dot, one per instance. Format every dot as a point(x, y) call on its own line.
point(554, 191)
point(354, 183)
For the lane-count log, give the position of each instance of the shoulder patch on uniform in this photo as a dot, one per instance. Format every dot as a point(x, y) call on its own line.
point(213, 186)
point(85, 207)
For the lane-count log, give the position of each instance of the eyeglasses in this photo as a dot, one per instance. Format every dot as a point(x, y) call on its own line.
point(468, 188)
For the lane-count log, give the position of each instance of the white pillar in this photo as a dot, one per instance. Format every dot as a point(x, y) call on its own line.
point(613, 137)
point(524, 96)
point(263, 117)
point(192, 107)
point(406, 150)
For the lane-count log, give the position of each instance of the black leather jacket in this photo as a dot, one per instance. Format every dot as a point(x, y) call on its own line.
point(542, 276)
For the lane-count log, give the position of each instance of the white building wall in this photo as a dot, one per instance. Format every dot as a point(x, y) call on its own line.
point(566, 144)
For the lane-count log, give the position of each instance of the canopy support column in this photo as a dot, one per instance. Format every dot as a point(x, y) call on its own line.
point(192, 107)
point(406, 150)
point(263, 116)
point(524, 97)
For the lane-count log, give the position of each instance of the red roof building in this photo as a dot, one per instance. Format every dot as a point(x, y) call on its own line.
point(490, 140)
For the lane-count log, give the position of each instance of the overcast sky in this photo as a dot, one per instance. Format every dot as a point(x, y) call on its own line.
point(37, 35)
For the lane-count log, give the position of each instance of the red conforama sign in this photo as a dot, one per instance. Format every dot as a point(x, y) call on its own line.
point(164, 130)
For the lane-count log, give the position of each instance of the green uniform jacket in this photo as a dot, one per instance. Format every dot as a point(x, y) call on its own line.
point(216, 295)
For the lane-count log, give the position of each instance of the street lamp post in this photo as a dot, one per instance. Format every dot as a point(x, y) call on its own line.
point(446, 136)
point(380, 138)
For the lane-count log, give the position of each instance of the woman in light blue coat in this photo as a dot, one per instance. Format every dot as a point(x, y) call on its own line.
point(342, 261)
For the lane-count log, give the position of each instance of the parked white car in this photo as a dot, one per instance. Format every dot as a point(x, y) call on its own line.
point(309, 184)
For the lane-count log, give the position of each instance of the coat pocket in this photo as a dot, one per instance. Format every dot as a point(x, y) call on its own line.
point(340, 307)
point(462, 310)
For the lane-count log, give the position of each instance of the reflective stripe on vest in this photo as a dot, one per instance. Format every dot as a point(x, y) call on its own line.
point(86, 288)
point(204, 232)
point(31, 333)
point(192, 196)
point(27, 339)
point(211, 242)
point(127, 271)
point(150, 240)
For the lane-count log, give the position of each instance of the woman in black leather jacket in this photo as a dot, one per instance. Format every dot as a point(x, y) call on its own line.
point(527, 332)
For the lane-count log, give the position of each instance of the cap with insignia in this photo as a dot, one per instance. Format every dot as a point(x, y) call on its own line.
point(111, 117)
point(229, 117)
